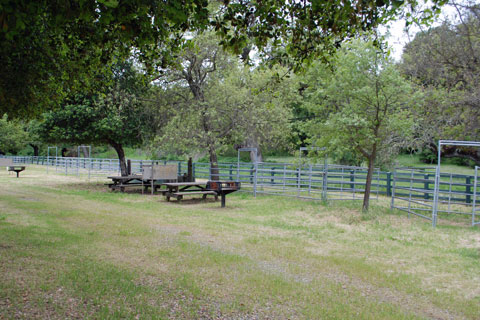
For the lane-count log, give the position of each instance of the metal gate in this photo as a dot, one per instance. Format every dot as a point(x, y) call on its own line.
point(427, 193)
point(411, 192)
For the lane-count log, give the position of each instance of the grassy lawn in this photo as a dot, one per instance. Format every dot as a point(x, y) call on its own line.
point(409, 160)
point(71, 249)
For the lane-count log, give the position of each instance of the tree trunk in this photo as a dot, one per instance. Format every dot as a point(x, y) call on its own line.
point(252, 143)
point(84, 150)
point(35, 150)
point(213, 163)
point(368, 184)
point(121, 157)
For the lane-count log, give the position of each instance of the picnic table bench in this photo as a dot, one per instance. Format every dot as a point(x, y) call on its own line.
point(179, 189)
point(216, 188)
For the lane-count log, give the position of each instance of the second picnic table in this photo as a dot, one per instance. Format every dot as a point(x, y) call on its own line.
point(179, 189)
point(120, 182)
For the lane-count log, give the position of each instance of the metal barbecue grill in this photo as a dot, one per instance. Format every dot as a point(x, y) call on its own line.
point(222, 188)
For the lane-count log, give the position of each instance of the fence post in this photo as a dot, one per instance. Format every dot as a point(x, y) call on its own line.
point(298, 181)
point(272, 180)
point(426, 185)
point(256, 178)
point(352, 179)
point(230, 171)
point(469, 190)
point(325, 182)
point(310, 180)
point(389, 184)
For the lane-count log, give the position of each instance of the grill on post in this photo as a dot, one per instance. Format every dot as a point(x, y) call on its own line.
point(223, 188)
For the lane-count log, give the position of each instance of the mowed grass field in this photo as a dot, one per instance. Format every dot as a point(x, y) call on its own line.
point(70, 248)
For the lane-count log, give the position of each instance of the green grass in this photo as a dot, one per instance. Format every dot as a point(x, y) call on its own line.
point(408, 160)
point(71, 249)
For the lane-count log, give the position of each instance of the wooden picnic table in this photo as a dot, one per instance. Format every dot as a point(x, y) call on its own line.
point(179, 189)
point(120, 182)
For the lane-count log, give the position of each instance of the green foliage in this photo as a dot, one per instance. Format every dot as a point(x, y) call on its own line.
point(111, 117)
point(49, 48)
point(12, 136)
point(361, 106)
point(114, 117)
point(219, 103)
point(443, 61)
point(427, 156)
point(302, 31)
point(52, 49)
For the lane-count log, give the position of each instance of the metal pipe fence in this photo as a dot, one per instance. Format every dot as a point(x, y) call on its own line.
point(414, 187)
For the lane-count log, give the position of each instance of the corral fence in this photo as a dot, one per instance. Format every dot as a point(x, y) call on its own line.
point(318, 182)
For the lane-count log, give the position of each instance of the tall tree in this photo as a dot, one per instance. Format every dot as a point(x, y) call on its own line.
point(218, 102)
point(444, 61)
point(362, 106)
point(198, 66)
point(115, 118)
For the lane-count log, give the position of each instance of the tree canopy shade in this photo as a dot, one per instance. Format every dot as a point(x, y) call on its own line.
point(49, 47)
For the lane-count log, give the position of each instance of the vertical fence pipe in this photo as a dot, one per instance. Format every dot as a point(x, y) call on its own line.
point(426, 185)
point(255, 181)
point(392, 202)
point(474, 195)
point(468, 190)
point(325, 181)
point(298, 181)
point(310, 180)
point(435, 195)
